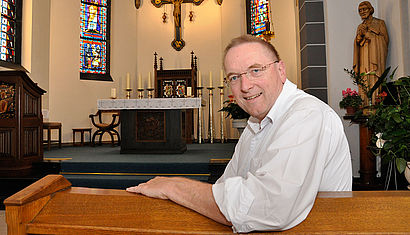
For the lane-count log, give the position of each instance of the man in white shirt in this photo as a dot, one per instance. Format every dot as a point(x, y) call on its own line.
point(293, 147)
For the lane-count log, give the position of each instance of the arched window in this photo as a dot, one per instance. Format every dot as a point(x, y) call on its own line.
point(95, 40)
point(258, 18)
point(10, 48)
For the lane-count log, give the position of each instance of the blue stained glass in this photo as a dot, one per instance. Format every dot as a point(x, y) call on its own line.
point(93, 38)
point(7, 30)
point(93, 22)
point(93, 56)
point(259, 16)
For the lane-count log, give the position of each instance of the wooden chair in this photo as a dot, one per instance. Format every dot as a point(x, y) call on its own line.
point(104, 127)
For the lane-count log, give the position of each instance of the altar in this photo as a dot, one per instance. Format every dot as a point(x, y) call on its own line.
point(151, 125)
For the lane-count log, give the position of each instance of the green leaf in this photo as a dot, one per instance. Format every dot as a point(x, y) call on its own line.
point(401, 164)
point(396, 117)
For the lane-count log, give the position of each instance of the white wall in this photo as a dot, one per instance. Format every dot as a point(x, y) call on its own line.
point(342, 20)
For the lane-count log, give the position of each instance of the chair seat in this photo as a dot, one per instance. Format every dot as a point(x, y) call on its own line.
point(103, 127)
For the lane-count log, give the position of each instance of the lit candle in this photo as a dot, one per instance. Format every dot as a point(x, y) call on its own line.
point(149, 80)
point(128, 81)
point(222, 78)
point(210, 78)
point(139, 81)
point(189, 91)
point(113, 93)
point(199, 79)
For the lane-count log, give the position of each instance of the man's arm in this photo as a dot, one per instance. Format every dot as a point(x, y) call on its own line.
point(193, 194)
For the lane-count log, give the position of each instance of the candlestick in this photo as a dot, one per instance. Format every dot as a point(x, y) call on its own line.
point(113, 93)
point(199, 92)
point(128, 93)
point(189, 91)
point(210, 79)
point(140, 81)
point(140, 93)
point(221, 84)
point(149, 80)
point(211, 116)
point(199, 83)
point(221, 96)
point(128, 81)
point(150, 90)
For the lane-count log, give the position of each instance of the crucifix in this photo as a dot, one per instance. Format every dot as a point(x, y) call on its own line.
point(177, 43)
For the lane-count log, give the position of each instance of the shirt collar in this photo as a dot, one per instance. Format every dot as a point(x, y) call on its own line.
point(277, 109)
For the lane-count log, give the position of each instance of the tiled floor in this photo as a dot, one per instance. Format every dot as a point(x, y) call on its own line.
point(3, 227)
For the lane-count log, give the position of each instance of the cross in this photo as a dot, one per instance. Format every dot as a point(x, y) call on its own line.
point(178, 43)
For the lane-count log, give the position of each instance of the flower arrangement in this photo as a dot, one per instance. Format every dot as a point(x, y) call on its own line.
point(350, 99)
point(233, 109)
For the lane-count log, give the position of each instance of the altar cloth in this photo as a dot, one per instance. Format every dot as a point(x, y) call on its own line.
point(154, 103)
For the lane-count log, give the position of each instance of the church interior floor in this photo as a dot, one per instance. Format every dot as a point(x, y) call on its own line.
point(104, 166)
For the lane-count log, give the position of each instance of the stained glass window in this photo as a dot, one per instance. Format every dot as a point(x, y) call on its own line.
point(258, 17)
point(10, 20)
point(94, 40)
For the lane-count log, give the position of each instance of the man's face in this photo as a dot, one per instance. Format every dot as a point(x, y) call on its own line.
point(256, 95)
point(364, 11)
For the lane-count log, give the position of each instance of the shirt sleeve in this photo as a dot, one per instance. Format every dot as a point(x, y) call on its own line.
point(281, 192)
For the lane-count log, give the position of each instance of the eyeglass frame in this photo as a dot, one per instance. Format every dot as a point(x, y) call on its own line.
point(263, 68)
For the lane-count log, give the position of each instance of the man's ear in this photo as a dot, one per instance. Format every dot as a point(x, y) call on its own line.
point(282, 71)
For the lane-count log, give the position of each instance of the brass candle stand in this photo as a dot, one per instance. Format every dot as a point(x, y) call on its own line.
point(199, 91)
point(140, 93)
point(128, 93)
point(150, 91)
point(221, 96)
point(211, 116)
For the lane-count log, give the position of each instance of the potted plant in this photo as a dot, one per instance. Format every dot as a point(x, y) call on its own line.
point(391, 122)
point(360, 81)
point(234, 111)
point(351, 101)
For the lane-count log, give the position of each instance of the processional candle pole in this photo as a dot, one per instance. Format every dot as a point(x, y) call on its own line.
point(199, 93)
point(221, 95)
point(211, 116)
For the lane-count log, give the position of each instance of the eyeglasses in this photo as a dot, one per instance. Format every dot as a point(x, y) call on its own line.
point(252, 74)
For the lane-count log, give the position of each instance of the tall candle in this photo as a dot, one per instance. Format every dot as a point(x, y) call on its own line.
point(128, 81)
point(139, 81)
point(210, 78)
point(149, 80)
point(199, 79)
point(113, 93)
point(189, 91)
point(222, 79)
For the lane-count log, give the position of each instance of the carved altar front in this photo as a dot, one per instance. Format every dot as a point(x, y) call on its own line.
point(151, 125)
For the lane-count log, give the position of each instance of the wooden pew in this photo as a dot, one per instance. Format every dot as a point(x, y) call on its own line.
point(52, 206)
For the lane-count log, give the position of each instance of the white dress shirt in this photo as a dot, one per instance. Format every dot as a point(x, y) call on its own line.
point(280, 164)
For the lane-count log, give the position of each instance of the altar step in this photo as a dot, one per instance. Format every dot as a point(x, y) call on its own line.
point(105, 167)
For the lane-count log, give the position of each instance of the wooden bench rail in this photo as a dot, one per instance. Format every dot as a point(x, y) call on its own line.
point(107, 211)
point(41, 188)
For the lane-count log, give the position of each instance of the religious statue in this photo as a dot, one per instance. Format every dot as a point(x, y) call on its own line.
point(370, 48)
point(177, 12)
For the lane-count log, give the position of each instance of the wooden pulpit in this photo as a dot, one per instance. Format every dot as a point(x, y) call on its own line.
point(52, 206)
point(21, 124)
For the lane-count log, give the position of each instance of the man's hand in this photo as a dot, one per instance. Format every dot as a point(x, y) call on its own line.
point(193, 194)
point(153, 188)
